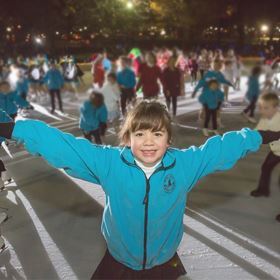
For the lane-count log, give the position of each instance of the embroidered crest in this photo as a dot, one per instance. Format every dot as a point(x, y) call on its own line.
point(169, 183)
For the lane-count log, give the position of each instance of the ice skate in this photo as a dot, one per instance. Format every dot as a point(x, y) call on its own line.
point(6, 177)
point(205, 132)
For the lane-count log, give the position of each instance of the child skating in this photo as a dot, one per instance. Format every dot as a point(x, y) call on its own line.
point(145, 181)
point(211, 100)
point(270, 120)
point(252, 94)
point(93, 118)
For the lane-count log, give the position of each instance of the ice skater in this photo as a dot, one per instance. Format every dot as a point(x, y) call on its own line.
point(93, 117)
point(270, 120)
point(112, 95)
point(211, 100)
point(145, 181)
point(54, 82)
point(252, 94)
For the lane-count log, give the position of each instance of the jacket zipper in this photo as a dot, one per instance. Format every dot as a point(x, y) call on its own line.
point(146, 203)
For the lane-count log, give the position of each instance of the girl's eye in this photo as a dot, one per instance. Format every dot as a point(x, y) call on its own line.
point(139, 134)
point(158, 134)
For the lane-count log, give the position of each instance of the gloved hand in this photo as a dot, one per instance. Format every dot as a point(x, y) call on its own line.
point(269, 136)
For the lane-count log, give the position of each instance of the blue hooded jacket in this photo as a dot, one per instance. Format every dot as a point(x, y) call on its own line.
point(211, 75)
point(126, 78)
point(143, 218)
point(22, 86)
point(91, 117)
point(11, 101)
point(54, 79)
point(211, 98)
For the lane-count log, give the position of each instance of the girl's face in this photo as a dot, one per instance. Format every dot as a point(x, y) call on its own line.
point(149, 146)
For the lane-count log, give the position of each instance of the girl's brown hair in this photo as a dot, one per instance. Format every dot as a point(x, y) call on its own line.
point(149, 115)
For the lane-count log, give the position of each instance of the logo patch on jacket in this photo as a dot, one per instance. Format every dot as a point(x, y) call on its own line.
point(169, 183)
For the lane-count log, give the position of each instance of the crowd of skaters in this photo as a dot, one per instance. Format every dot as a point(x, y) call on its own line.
point(116, 85)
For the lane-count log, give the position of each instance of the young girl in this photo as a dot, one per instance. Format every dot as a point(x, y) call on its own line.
point(146, 183)
point(211, 100)
point(252, 94)
point(93, 117)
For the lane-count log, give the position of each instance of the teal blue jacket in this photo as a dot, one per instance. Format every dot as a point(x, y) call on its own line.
point(11, 102)
point(54, 79)
point(211, 98)
point(211, 75)
point(91, 117)
point(143, 218)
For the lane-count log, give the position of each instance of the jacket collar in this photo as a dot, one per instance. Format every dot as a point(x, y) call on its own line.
point(168, 160)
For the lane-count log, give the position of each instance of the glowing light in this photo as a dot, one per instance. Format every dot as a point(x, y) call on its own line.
point(57, 32)
point(9, 29)
point(264, 28)
point(129, 5)
point(38, 40)
point(162, 32)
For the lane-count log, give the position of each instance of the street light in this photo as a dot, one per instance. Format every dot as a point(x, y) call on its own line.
point(129, 5)
point(38, 40)
point(9, 29)
point(264, 28)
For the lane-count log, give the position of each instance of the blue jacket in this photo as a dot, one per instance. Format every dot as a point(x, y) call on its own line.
point(91, 117)
point(211, 75)
point(253, 88)
point(107, 65)
point(22, 87)
point(4, 118)
point(54, 79)
point(211, 98)
point(143, 218)
point(11, 101)
point(126, 78)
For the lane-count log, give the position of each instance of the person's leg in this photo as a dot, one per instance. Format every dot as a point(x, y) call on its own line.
point(174, 105)
point(201, 74)
point(214, 119)
point(123, 101)
point(58, 96)
point(97, 137)
point(264, 182)
point(52, 100)
point(168, 101)
point(87, 135)
point(226, 90)
point(253, 107)
point(207, 117)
